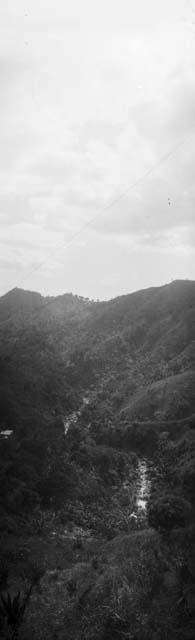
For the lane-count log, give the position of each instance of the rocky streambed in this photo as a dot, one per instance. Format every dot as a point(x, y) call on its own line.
point(142, 487)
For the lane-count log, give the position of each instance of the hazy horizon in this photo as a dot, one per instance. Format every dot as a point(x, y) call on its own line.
point(97, 155)
point(77, 293)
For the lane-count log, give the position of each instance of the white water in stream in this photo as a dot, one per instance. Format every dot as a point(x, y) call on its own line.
point(74, 416)
point(143, 490)
point(143, 482)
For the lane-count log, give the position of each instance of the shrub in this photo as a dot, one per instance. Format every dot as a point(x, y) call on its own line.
point(4, 572)
point(166, 512)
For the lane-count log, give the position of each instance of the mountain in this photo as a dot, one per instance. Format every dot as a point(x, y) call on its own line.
point(97, 416)
point(143, 341)
point(19, 305)
point(136, 353)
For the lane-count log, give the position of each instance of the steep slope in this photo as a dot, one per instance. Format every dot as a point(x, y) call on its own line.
point(54, 349)
point(172, 397)
point(134, 341)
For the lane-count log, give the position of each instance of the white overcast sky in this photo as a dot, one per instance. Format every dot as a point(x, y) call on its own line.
point(97, 99)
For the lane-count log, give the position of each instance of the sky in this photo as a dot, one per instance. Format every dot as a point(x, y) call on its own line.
point(97, 145)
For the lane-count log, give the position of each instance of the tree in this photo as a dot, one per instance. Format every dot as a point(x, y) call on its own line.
point(166, 512)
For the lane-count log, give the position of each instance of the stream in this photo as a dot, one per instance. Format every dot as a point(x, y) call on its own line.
point(142, 491)
point(75, 415)
point(143, 484)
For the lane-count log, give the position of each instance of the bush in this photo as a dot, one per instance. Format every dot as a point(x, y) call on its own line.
point(166, 512)
point(4, 572)
point(8, 524)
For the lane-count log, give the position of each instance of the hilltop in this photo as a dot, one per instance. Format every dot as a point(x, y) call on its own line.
point(19, 305)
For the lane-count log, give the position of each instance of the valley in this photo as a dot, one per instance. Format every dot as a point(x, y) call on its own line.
point(97, 446)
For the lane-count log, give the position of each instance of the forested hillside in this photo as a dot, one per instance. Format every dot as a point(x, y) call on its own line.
point(89, 391)
point(137, 351)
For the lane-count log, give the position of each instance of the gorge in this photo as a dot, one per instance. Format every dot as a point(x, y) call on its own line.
point(97, 446)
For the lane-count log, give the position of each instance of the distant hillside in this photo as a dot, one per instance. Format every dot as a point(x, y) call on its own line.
point(135, 352)
point(138, 340)
point(19, 303)
point(18, 306)
point(171, 397)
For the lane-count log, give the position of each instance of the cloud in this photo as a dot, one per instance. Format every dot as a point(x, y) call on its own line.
point(8, 265)
point(92, 97)
point(158, 206)
point(174, 118)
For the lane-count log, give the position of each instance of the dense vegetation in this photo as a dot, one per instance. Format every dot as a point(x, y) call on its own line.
point(87, 390)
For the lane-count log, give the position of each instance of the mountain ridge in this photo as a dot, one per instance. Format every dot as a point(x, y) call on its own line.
point(63, 346)
point(19, 291)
